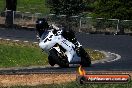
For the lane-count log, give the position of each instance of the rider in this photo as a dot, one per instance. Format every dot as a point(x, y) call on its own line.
point(42, 26)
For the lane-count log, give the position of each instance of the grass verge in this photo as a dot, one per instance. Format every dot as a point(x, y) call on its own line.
point(76, 85)
point(2, 5)
point(33, 6)
point(18, 54)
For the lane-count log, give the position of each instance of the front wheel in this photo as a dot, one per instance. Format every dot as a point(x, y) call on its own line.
point(85, 58)
point(51, 60)
point(61, 61)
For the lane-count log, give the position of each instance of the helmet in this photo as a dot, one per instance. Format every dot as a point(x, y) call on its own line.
point(41, 24)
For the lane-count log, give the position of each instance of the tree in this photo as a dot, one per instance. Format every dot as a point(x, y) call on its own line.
point(10, 7)
point(89, 5)
point(66, 7)
point(120, 9)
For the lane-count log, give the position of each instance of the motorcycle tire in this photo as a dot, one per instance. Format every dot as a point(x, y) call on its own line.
point(85, 58)
point(81, 79)
point(62, 62)
point(51, 60)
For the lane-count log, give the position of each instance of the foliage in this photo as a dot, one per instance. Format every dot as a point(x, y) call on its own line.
point(127, 25)
point(120, 9)
point(2, 5)
point(117, 9)
point(67, 7)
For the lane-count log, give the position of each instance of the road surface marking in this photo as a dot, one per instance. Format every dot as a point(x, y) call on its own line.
point(16, 40)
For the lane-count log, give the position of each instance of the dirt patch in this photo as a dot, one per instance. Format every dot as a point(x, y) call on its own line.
point(2, 20)
point(35, 79)
point(21, 22)
point(38, 79)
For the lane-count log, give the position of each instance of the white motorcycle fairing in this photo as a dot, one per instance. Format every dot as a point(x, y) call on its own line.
point(48, 40)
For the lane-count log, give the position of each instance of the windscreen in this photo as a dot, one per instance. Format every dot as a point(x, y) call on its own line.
point(44, 35)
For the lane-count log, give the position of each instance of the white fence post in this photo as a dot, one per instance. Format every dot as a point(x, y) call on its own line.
point(80, 24)
point(118, 21)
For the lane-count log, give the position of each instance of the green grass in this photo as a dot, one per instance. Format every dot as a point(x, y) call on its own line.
point(76, 85)
point(33, 6)
point(18, 54)
point(2, 5)
point(95, 55)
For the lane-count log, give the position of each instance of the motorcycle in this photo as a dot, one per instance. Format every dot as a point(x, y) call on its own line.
point(61, 51)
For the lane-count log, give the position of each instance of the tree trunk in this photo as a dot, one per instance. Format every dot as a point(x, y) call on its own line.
point(10, 7)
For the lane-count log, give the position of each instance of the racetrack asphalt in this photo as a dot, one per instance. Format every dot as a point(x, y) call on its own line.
point(119, 44)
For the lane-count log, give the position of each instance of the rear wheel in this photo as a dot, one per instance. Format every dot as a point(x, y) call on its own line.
point(61, 61)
